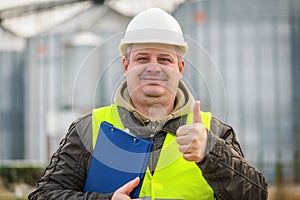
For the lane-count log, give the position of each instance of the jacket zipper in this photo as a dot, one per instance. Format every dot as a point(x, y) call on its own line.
point(153, 126)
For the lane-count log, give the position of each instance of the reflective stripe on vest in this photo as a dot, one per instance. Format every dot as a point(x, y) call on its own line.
point(174, 177)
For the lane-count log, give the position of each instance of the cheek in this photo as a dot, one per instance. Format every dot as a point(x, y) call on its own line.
point(173, 73)
point(133, 69)
point(132, 73)
point(132, 77)
point(174, 79)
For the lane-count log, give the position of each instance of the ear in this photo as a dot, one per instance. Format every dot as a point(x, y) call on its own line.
point(125, 65)
point(181, 67)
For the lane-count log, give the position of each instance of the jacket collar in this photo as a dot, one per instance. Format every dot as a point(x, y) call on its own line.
point(140, 125)
point(183, 104)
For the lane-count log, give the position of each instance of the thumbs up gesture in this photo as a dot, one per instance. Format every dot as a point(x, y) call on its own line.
point(192, 139)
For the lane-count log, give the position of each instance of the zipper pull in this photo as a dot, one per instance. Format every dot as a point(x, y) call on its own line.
point(154, 124)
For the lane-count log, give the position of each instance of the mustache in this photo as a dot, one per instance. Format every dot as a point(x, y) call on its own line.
point(156, 76)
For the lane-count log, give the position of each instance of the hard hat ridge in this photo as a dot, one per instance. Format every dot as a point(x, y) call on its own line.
point(153, 26)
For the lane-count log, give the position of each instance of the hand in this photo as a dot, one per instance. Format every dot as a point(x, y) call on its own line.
point(123, 192)
point(192, 139)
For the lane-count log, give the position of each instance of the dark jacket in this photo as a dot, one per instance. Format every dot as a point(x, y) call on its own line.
point(224, 167)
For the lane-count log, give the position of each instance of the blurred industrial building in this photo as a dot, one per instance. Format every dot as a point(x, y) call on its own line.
point(243, 64)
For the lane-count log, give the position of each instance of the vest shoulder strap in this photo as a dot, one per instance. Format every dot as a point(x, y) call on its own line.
point(109, 114)
point(205, 116)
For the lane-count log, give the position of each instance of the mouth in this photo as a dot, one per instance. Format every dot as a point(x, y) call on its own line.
point(153, 80)
point(149, 77)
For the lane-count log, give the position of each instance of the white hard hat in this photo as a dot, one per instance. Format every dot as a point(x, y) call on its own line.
point(153, 26)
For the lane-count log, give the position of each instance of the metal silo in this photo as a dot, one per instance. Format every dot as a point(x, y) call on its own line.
point(69, 72)
point(295, 62)
point(11, 97)
point(240, 66)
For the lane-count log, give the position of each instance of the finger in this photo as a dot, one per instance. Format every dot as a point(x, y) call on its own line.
point(183, 130)
point(183, 139)
point(128, 187)
point(189, 157)
point(196, 113)
point(184, 149)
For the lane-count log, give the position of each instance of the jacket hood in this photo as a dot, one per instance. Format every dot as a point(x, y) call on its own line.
point(183, 104)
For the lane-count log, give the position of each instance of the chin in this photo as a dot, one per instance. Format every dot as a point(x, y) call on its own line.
point(154, 88)
point(154, 93)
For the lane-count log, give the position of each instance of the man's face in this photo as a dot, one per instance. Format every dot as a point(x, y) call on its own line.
point(153, 73)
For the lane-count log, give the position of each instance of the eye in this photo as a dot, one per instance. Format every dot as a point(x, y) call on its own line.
point(141, 59)
point(166, 60)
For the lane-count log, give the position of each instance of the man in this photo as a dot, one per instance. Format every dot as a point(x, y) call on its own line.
point(195, 156)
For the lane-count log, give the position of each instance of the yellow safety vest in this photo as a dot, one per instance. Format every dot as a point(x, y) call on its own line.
point(174, 177)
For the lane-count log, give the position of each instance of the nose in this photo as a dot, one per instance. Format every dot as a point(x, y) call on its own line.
point(153, 67)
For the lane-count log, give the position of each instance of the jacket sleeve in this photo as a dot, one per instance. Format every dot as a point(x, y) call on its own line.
point(225, 168)
point(64, 178)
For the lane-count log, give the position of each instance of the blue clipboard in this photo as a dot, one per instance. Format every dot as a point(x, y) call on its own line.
point(118, 157)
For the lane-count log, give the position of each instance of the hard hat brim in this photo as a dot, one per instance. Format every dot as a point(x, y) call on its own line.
point(150, 35)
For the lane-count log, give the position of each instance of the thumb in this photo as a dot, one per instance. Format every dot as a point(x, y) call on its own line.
point(128, 187)
point(196, 113)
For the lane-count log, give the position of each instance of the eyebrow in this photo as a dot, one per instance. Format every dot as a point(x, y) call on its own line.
point(160, 54)
point(141, 53)
point(165, 54)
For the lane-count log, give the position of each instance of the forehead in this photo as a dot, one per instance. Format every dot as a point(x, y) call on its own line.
point(153, 48)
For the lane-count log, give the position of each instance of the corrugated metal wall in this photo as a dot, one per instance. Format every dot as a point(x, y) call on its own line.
point(42, 91)
point(11, 96)
point(295, 63)
point(243, 64)
point(246, 73)
point(68, 73)
point(11, 105)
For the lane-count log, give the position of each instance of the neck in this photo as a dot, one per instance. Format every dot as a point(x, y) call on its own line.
point(154, 110)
